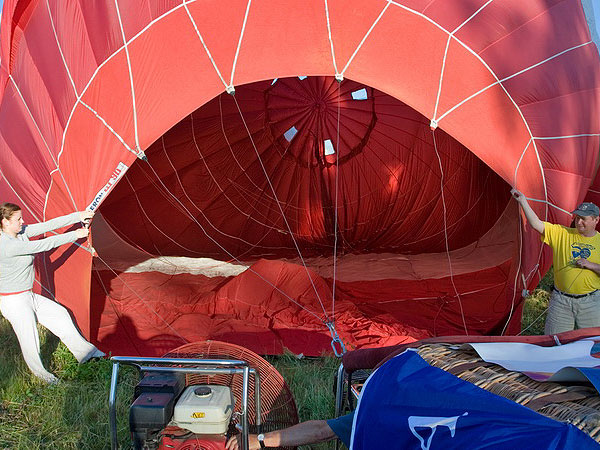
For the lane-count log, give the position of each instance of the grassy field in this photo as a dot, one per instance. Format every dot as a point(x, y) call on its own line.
point(74, 413)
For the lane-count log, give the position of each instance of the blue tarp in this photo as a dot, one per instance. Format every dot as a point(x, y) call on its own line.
point(408, 404)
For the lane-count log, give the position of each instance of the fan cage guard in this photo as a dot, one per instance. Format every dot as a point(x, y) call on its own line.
point(278, 408)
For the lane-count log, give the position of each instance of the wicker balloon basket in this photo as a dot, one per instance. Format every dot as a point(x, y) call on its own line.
point(578, 405)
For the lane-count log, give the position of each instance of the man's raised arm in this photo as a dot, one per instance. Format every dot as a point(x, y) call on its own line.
point(531, 216)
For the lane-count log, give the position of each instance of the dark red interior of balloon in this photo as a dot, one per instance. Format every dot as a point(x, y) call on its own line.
point(279, 178)
point(246, 176)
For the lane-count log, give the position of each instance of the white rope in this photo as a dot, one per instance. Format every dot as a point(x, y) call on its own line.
point(486, 65)
point(152, 223)
point(60, 49)
point(472, 16)
point(140, 298)
point(549, 204)
point(46, 145)
point(475, 291)
point(93, 77)
point(470, 97)
point(224, 194)
point(437, 100)
point(516, 280)
point(22, 202)
point(335, 223)
point(435, 121)
point(366, 36)
point(520, 160)
point(109, 128)
point(279, 206)
point(227, 251)
point(549, 138)
point(446, 233)
point(135, 124)
point(230, 236)
point(237, 52)
point(205, 47)
point(331, 40)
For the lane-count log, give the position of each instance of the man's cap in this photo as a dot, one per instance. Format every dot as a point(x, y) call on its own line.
point(587, 209)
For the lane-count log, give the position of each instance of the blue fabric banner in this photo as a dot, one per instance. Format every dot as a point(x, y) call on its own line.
point(408, 404)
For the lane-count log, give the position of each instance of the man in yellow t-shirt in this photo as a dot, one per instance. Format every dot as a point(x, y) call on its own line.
point(575, 299)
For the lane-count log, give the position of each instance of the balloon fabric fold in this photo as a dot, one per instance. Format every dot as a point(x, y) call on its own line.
point(266, 176)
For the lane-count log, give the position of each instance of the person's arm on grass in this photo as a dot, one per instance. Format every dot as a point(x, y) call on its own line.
point(310, 432)
point(531, 216)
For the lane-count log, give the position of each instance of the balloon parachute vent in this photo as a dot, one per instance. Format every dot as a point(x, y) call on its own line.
point(278, 408)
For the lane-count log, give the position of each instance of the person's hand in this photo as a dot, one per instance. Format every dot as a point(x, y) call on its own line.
point(583, 263)
point(517, 195)
point(235, 442)
point(82, 232)
point(86, 216)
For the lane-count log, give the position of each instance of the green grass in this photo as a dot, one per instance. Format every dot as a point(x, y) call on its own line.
point(74, 413)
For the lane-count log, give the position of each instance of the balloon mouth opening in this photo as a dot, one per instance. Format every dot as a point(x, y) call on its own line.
point(255, 208)
point(289, 166)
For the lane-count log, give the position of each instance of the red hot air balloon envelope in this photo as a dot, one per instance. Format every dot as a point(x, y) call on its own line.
point(356, 183)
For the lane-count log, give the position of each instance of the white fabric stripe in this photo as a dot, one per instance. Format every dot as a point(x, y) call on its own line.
point(23, 203)
point(93, 77)
point(549, 204)
point(439, 92)
point(462, 312)
point(32, 118)
point(470, 50)
point(366, 36)
point(237, 52)
point(335, 223)
point(330, 38)
point(108, 127)
point(472, 15)
point(279, 206)
point(437, 100)
point(45, 144)
point(135, 124)
point(519, 162)
point(60, 49)
point(549, 138)
point(508, 78)
point(204, 45)
point(517, 272)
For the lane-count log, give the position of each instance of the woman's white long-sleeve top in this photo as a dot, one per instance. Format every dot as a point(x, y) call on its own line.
point(17, 254)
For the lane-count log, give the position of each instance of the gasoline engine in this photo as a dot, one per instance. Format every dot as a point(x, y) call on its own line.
point(167, 414)
point(195, 396)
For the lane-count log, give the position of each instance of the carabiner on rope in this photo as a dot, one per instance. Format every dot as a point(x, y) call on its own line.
point(336, 341)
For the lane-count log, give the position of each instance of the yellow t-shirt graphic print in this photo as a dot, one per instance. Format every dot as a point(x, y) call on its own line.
point(567, 246)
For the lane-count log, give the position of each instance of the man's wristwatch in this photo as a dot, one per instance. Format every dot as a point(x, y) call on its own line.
point(261, 440)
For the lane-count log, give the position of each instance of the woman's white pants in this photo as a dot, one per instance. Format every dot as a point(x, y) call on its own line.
point(22, 310)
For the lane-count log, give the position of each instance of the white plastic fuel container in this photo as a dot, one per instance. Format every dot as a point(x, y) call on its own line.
point(204, 409)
